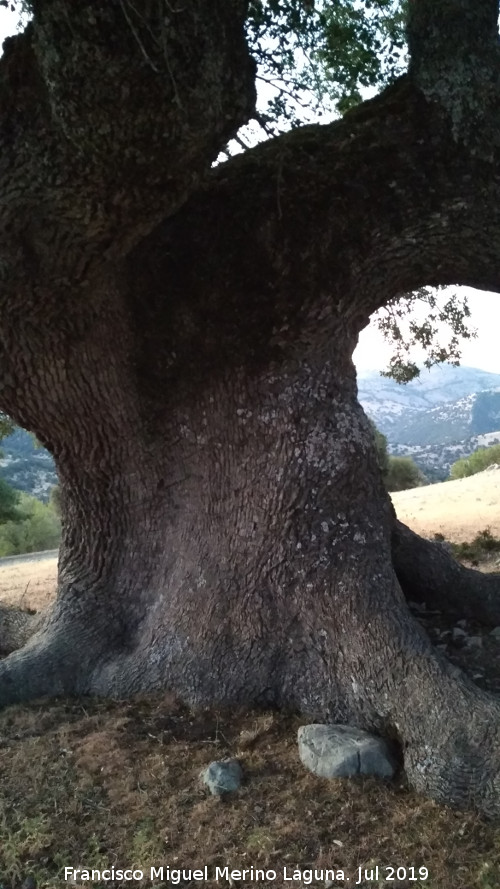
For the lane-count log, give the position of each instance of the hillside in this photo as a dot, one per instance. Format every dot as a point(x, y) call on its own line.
point(457, 509)
point(26, 466)
point(443, 415)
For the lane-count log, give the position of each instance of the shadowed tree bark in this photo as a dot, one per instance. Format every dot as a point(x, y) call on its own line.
point(181, 340)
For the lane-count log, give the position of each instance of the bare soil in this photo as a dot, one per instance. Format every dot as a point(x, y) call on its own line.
point(97, 784)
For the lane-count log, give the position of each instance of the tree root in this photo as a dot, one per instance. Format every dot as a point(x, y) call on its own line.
point(52, 663)
point(17, 626)
point(428, 573)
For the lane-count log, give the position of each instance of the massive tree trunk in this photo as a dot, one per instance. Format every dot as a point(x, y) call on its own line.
point(226, 533)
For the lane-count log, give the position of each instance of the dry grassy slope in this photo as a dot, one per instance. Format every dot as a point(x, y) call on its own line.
point(30, 585)
point(458, 509)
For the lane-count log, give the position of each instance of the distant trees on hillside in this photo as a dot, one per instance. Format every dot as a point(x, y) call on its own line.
point(404, 474)
point(34, 527)
point(399, 473)
point(476, 462)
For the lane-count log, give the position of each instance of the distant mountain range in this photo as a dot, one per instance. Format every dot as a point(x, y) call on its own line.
point(26, 466)
point(443, 415)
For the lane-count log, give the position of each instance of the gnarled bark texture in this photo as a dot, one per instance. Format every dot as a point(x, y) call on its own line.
point(181, 340)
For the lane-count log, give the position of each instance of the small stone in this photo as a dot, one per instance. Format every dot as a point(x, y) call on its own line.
point(342, 751)
point(496, 633)
point(461, 623)
point(458, 633)
point(475, 642)
point(29, 883)
point(222, 776)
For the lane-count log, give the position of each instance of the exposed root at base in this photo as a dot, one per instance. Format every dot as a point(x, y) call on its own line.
point(17, 626)
point(428, 573)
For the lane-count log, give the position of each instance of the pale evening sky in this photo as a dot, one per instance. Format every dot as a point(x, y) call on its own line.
point(372, 352)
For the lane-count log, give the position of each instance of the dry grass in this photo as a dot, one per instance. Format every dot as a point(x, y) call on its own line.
point(456, 509)
point(99, 784)
point(30, 584)
point(96, 784)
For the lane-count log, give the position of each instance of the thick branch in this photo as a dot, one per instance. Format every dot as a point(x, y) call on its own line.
point(427, 573)
point(311, 231)
point(455, 61)
point(110, 113)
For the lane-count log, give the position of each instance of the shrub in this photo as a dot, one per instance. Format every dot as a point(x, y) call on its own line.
point(9, 501)
point(403, 474)
point(483, 545)
point(476, 462)
point(38, 529)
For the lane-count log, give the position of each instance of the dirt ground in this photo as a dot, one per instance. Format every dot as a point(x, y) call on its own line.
point(458, 509)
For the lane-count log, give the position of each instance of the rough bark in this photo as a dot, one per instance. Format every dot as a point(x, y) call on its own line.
point(428, 573)
point(16, 626)
point(225, 529)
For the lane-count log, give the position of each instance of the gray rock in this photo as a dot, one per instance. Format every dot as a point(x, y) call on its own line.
point(458, 633)
point(475, 642)
point(496, 633)
point(341, 751)
point(223, 776)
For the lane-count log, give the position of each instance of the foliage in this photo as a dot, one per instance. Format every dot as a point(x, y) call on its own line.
point(381, 448)
point(482, 545)
point(476, 462)
point(38, 529)
point(9, 500)
point(399, 473)
point(323, 54)
point(453, 313)
point(404, 474)
point(363, 47)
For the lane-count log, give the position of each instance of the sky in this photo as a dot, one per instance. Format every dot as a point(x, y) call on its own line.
point(372, 352)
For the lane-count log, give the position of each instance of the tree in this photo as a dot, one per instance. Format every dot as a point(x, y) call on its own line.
point(398, 473)
point(381, 450)
point(34, 528)
point(9, 500)
point(478, 461)
point(180, 338)
point(403, 473)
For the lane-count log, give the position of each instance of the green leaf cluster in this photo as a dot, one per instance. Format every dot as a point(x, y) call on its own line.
point(37, 527)
point(404, 332)
point(399, 473)
point(476, 462)
point(404, 474)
